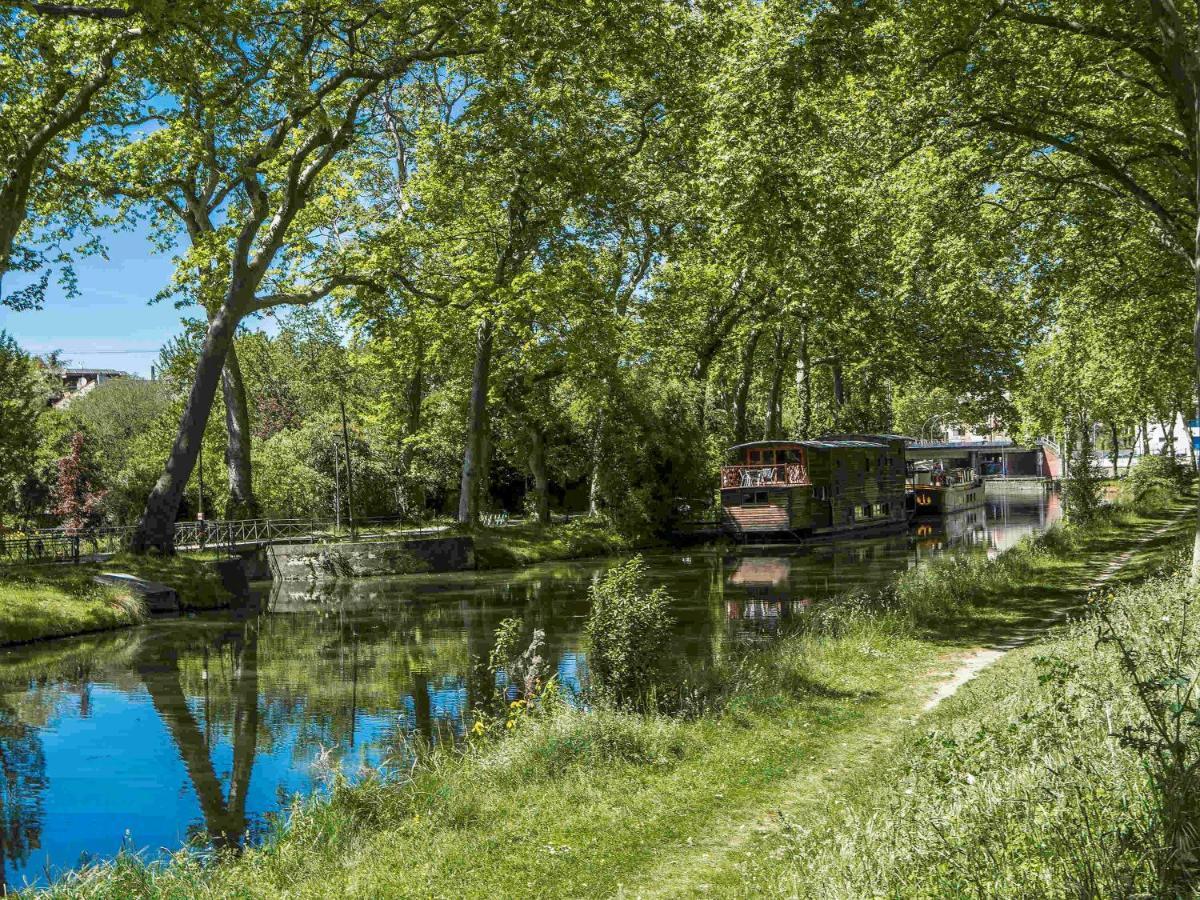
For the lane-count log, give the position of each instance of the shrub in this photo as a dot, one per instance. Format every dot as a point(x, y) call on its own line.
point(629, 628)
point(1155, 475)
point(1082, 491)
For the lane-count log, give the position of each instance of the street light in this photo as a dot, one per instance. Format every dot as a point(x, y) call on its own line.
point(929, 423)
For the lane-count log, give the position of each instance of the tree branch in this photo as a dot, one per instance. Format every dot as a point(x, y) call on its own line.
point(1103, 164)
point(71, 11)
point(302, 298)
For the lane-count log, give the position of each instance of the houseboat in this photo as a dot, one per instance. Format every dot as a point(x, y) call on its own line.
point(936, 492)
point(832, 485)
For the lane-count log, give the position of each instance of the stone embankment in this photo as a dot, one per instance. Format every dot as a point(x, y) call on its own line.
point(369, 559)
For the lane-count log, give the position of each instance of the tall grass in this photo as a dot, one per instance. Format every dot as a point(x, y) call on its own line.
point(1069, 771)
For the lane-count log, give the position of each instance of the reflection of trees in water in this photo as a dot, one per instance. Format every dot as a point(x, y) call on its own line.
point(224, 813)
point(22, 788)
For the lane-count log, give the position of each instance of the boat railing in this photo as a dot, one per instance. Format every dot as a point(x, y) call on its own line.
point(763, 475)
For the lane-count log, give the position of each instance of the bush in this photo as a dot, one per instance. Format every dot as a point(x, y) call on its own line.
point(1153, 476)
point(1083, 490)
point(629, 628)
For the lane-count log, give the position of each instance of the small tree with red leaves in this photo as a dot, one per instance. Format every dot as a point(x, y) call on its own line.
point(75, 500)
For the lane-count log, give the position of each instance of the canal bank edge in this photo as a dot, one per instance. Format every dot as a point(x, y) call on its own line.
point(369, 559)
point(53, 601)
point(58, 601)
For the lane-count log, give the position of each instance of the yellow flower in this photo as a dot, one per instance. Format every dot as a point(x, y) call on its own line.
point(509, 724)
point(478, 729)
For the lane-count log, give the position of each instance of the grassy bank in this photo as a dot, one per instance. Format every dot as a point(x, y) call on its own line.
point(512, 547)
point(784, 749)
point(47, 601)
point(1053, 774)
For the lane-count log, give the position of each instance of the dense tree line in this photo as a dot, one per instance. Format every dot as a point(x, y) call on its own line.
point(548, 256)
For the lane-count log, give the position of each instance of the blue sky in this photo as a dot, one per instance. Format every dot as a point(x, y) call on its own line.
point(111, 325)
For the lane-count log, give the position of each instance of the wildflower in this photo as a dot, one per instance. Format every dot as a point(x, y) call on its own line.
point(478, 729)
point(509, 724)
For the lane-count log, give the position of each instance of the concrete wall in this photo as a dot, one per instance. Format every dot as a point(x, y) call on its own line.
point(365, 559)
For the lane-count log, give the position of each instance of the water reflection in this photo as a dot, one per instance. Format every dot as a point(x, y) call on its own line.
point(207, 726)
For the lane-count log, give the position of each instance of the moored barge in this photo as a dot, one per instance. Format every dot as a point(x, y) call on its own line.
point(833, 485)
point(938, 493)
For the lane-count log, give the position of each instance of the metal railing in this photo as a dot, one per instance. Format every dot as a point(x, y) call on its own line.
point(59, 545)
point(763, 475)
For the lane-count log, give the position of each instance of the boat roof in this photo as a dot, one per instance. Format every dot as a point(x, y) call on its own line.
point(820, 443)
point(867, 437)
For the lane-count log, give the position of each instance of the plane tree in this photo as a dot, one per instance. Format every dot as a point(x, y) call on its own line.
point(247, 151)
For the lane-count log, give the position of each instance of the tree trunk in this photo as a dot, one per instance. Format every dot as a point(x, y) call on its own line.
point(1195, 576)
point(241, 502)
point(414, 495)
point(1168, 447)
point(156, 527)
point(594, 481)
point(804, 379)
point(1145, 437)
point(1116, 447)
point(349, 469)
point(484, 493)
point(1191, 445)
point(537, 468)
point(743, 388)
point(774, 425)
point(468, 498)
point(839, 394)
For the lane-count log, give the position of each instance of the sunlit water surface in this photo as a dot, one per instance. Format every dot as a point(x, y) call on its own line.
point(205, 727)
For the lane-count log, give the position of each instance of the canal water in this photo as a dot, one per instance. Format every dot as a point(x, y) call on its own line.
point(206, 727)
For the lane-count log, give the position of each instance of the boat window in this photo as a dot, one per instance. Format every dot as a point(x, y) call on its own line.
point(768, 456)
point(760, 497)
point(754, 456)
point(792, 456)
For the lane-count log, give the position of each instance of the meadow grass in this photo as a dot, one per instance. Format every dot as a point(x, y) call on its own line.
point(811, 744)
point(56, 600)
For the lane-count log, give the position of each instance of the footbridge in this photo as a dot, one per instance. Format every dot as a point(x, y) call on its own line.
point(228, 537)
point(999, 459)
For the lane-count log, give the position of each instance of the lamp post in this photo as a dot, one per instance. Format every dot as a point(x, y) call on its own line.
point(930, 423)
point(349, 470)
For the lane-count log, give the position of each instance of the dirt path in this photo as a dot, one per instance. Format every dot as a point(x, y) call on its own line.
point(692, 870)
point(978, 660)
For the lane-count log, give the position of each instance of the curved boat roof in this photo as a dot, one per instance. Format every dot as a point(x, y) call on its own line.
point(859, 441)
